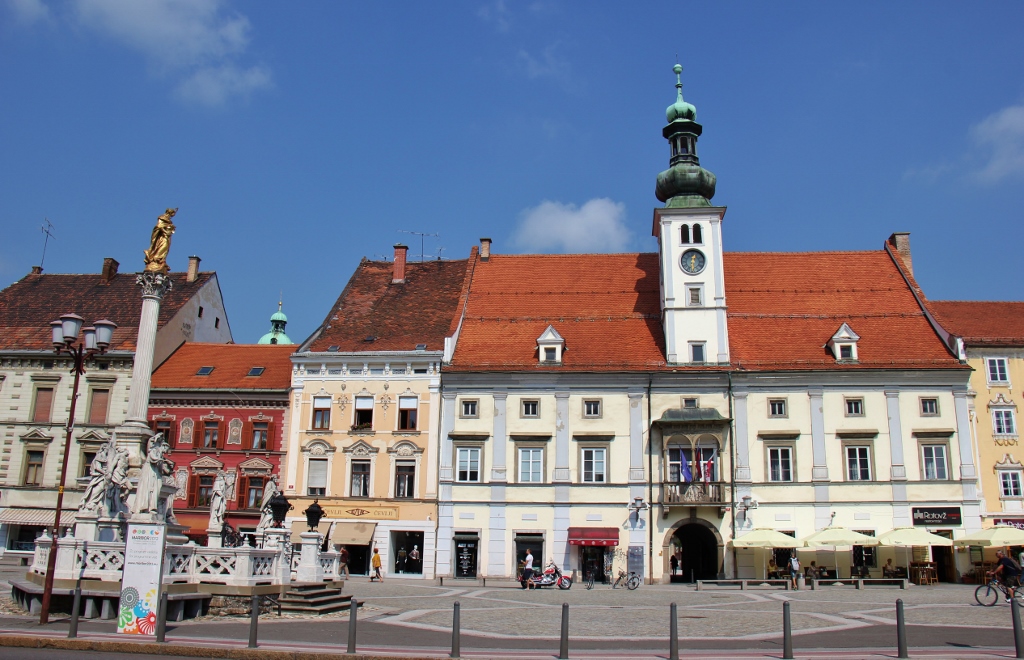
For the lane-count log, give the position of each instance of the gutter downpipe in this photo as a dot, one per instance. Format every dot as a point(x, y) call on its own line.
point(732, 479)
point(650, 483)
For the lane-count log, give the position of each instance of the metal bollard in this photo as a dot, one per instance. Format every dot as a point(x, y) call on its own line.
point(901, 631)
point(673, 631)
point(787, 633)
point(563, 648)
point(456, 632)
point(1018, 634)
point(353, 620)
point(161, 619)
point(76, 607)
point(254, 620)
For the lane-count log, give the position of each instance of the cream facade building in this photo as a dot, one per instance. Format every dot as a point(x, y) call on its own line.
point(365, 413)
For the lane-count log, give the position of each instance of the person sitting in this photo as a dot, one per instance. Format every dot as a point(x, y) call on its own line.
point(773, 568)
point(888, 570)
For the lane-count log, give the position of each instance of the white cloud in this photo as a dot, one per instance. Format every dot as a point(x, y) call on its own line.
point(597, 226)
point(198, 43)
point(28, 12)
point(1001, 136)
point(496, 12)
point(213, 85)
point(547, 65)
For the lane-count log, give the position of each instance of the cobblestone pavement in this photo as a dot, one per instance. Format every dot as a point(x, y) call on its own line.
point(606, 613)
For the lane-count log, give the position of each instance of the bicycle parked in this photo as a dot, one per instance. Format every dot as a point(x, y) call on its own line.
point(988, 594)
point(629, 580)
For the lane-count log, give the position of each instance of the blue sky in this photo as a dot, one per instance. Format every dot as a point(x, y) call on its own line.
point(298, 137)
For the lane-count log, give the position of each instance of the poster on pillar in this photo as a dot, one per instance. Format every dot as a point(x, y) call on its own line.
point(140, 579)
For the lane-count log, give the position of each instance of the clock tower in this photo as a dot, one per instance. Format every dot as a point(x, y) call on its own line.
point(689, 233)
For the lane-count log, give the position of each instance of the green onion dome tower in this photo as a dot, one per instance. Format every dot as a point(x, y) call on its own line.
point(685, 184)
point(277, 323)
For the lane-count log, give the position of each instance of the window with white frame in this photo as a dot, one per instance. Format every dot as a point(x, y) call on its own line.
point(777, 407)
point(686, 465)
point(858, 463)
point(405, 479)
point(594, 465)
point(929, 407)
point(408, 407)
point(698, 351)
point(531, 465)
point(321, 412)
point(592, 408)
point(691, 402)
point(780, 464)
point(694, 296)
point(468, 464)
point(531, 408)
point(364, 413)
point(855, 407)
point(469, 408)
point(1003, 422)
point(1010, 483)
point(316, 477)
point(360, 479)
point(934, 462)
point(997, 372)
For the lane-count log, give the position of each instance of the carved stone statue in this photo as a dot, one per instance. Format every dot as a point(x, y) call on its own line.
point(95, 494)
point(118, 486)
point(147, 496)
point(160, 243)
point(218, 501)
point(267, 517)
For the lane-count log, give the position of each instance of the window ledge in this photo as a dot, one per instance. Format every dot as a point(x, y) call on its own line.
point(362, 432)
point(319, 431)
point(403, 433)
point(1004, 436)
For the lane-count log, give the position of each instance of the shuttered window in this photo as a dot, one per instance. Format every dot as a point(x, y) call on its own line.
point(99, 400)
point(44, 401)
point(316, 480)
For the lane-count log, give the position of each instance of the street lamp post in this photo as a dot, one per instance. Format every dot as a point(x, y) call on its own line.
point(95, 341)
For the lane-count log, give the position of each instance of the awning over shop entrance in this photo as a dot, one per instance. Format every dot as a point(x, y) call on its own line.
point(607, 536)
point(38, 517)
point(353, 533)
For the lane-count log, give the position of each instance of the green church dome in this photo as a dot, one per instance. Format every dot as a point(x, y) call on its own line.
point(277, 323)
point(680, 109)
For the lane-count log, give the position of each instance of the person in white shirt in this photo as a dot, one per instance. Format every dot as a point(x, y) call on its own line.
point(528, 570)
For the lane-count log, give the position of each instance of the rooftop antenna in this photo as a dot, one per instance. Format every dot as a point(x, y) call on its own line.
point(47, 229)
point(421, 235)
point(439, 251)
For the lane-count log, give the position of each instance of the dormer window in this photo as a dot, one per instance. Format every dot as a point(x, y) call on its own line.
point(550, 346)
point(843, 344)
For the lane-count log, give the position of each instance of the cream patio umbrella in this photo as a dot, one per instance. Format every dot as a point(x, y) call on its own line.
point(911, 537)
point(993, 537)
point(833, 536)
point(766, 538)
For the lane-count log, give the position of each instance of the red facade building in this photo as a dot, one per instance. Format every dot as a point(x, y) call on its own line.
point(223, 408)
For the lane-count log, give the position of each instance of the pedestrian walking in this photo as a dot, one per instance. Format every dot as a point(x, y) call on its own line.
point(674, 562)
point(794, 569)
point(375, 563)
point(343, 568)
point(528, 570)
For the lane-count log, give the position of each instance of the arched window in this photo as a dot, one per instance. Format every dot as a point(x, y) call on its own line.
point(697, 238)
point(684, 234)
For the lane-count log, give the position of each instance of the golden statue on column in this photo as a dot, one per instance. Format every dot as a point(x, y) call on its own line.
point(160, 243)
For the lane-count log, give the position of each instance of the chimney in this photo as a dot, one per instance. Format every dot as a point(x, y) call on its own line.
point(485, 249)
point(399, 273)
point(193, 269)
point(37, 270)
point(109, 269)
point(901, 241)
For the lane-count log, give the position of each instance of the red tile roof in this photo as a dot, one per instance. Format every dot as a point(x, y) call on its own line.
point(991, 323)
point(782, 309)
point(28, 306)
point(422, 310)
point(231, 364)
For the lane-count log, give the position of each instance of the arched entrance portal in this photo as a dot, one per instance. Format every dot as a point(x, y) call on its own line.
point(698, 553)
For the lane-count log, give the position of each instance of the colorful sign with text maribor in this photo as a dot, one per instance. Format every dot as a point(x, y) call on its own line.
point(140, 581)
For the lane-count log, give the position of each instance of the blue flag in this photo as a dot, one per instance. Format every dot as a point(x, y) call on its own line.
point(684, 469)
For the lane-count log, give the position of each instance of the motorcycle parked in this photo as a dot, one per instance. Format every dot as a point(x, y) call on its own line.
point(551, 576)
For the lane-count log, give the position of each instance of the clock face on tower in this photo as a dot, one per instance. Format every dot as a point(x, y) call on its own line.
point(692, 261)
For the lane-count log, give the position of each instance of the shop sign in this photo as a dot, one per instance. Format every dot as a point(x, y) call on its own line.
point(1012, 522)
point(936, 515)
point(140, 579)
point(357, 512)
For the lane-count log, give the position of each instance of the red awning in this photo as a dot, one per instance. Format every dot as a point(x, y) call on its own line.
point(593, 536)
